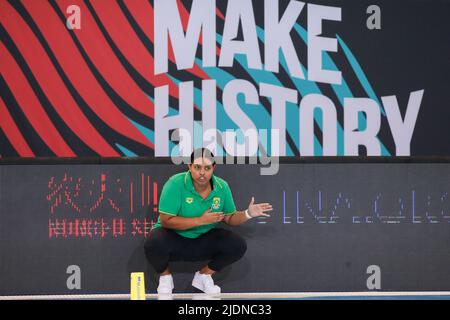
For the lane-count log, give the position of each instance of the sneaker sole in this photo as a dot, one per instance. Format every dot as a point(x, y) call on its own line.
point(198, 285)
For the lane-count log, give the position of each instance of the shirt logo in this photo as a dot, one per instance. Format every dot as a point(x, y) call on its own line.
point(216, 203)
point(189, 200)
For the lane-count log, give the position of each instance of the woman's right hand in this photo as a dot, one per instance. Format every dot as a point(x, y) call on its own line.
point(209, 217)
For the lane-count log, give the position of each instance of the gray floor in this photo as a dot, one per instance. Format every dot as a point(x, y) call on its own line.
point(366, 295)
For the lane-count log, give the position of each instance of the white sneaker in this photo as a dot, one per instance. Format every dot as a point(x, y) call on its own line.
point(165, 284)
point(205, 283)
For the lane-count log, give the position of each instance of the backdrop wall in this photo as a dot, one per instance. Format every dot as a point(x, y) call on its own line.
point(330, 223)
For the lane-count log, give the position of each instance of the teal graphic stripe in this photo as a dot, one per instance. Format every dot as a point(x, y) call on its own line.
point(125, 151)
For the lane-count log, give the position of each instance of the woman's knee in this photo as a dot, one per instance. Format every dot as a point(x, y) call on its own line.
point(156, 243)
point(236, 245)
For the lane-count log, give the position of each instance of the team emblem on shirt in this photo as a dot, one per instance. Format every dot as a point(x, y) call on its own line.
point(216, 203)
point(189, 200)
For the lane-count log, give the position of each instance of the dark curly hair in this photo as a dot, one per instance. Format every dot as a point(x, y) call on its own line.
point(202, 153)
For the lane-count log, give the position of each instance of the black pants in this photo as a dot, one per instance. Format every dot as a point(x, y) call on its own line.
point(221, 246)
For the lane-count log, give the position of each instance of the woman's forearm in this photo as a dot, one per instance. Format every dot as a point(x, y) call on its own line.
point(237, 219)
point(180, 223)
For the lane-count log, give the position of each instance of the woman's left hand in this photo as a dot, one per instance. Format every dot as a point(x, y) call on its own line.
point(258, 209)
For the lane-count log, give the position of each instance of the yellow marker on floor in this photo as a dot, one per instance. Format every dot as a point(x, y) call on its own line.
point(137, 286)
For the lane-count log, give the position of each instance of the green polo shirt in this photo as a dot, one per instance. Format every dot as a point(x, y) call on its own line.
point(179, 198)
